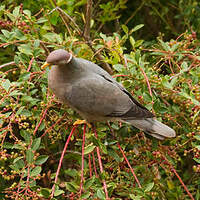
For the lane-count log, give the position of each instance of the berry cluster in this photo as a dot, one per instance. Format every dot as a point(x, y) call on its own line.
point(8, 25)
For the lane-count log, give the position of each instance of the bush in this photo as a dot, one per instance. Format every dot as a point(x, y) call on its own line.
point(162, 75)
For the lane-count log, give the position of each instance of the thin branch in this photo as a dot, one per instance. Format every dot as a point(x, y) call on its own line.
point(182, 72)
point(135, 12)
point(53, 125)
point(132, 171)
point(98, 55)
point(30, 64)
point(66, 16)
point(101, 166)
point(179, 178)
point(105, 65)
point(82, 165)
point(88, 14)
point(7, 64)
point(147, 81)
point(61, 159)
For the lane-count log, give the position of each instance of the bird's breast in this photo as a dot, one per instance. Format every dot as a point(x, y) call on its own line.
point(60, 83)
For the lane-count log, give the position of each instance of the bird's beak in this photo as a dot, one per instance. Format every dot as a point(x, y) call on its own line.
point(45, 65)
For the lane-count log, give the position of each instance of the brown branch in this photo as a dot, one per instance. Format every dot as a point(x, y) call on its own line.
point(88, 14)
point(65, 17)
point(135, 12)
point(7, 64)
point(105, 66)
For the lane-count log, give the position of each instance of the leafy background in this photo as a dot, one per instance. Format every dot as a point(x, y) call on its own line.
point(151, 47)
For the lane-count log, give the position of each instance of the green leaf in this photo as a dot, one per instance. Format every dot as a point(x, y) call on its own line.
point(18, 146)
point(15, 93)
point(113, 154)
point(45, 192)
point(88, 149)
point(7, 145)
point(6, 33)
point(118, 67)
point(19, 164)
point(36, 144)
point(6, 85)
point(198, 147)
point(125, 28)
point(138, 43)
point(72, 187)
point(71, 172)
point(58, 192)
point(16, 11)
point(133, 197)
point(19, 35)
point(26, 49)
point(26, 135)
point(41, 159)
point(41, 20)
point(197, 137)
point(103, 148)
point(27, 12)
point(53, 37)
point(166, 83)
point(137, 27)
point(36, 43)
point(149, 187)
point(85, 195)
point(184, 66)
point(137, 56)
point(101, 194)
point(132, 41)
point(29, 156)
point(103, 36)
point(25, 76)
point(16, 159)
point(26, 113)
point(197, 160)
point(165, 46)
point(7, 114)
point(88, 183)
point(28, 99)
point(36, 171)
point(184, 94)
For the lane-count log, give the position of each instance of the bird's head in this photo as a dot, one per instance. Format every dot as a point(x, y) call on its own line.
point(57, 57)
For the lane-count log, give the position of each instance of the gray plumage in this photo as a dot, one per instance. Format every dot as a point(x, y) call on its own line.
point(96, 96)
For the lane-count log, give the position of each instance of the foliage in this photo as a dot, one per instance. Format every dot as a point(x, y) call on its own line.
point(164, 76)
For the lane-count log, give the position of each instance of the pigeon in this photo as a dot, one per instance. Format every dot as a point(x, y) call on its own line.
point(96, 96)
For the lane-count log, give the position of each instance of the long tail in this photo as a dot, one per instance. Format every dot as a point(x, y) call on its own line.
point(153, 127)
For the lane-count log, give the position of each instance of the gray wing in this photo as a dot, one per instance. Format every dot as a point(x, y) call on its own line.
point(100, 96)
point(136, 110)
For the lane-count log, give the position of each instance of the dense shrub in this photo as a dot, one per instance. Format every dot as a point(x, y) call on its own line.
point(164, 76)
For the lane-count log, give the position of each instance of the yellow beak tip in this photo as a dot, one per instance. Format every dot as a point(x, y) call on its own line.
point(45, 65)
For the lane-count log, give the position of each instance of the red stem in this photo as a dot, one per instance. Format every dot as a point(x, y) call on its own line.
point(61, 159)
point(179, 178)
point(82, 166)
point(41, 119)
point(132, 171)
point(53, 125)
point(30, 64)
point(101, 166)
point(147, 80)
point(44, 114)
point(119, 75)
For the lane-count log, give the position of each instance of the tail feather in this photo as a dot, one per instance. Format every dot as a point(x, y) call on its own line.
point(153, 127)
